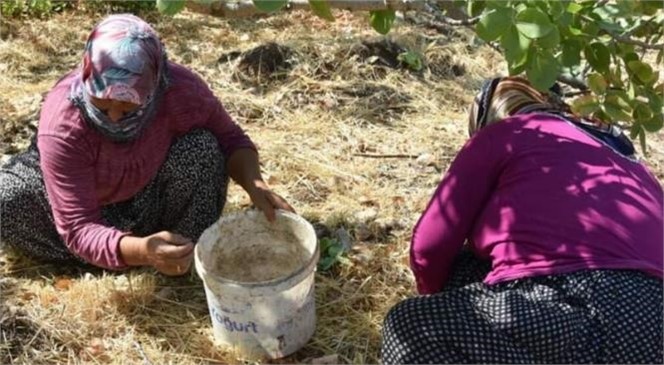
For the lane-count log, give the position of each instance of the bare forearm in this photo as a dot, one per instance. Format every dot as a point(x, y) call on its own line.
point(243, 168)
point(132, 250)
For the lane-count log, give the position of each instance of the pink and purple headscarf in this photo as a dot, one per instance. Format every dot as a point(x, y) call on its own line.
point(124, 61)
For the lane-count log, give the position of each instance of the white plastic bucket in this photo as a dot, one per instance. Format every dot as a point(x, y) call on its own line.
point(270, 317)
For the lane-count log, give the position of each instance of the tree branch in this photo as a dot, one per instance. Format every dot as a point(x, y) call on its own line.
point(636, 42)
point(438, 15)
point(573, 82)
point(626, 38)
point(245, 8)
point(457, 22)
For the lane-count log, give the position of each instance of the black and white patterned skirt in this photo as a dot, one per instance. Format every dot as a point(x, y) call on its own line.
point(186, 196)
point(589, 316)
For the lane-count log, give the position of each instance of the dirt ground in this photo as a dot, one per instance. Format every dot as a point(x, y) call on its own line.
point(349, 136)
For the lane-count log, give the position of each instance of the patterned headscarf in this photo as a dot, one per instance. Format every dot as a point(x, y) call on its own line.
point(503, 97)
point(124, 61)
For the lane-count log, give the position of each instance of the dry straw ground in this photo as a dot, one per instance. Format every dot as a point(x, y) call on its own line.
point(349, 140)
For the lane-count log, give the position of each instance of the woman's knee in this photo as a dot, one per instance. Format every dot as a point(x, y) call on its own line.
point(196, 150)
point(13, 195)
point(400, 320)
point(16, 198)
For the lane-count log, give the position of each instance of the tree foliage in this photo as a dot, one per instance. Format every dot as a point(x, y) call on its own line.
point(601, 45)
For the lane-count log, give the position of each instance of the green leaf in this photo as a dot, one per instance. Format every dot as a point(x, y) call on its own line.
point(585, 105)
point(381, 20)
point(642, 70)
point(607, 11)
point(591, 28)
point(494, 23)
point(631, 91)
point(516, 47)
point(476, 7)
point(565, 20)
point(634, 131)
point(170, 7)
point(574, 8)
point(630, 56)
point(597, 83)
point(331, 251)
point(551, 40)
point(322, 9)
point(655, 99)
point(411, 59)
point(617, 108)
point(543, 70)
point(611, 27)
point(556, 9)
point(615, 77)
point(642, 112)
point(622, 49)
point(571, 55)
point(642, 140)
point(495, 4)
point(533, 23)
point(269, 6)
point(651, 7)
point(654, 124)
point(517, 69)
point(627, 7)
point(574, 31)
point(598, 56)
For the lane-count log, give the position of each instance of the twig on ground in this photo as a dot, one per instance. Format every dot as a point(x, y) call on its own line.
point(380, 155)
point(146, 359)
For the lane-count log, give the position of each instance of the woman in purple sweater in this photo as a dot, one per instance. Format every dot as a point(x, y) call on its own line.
point(564, 256)
point(131, 160)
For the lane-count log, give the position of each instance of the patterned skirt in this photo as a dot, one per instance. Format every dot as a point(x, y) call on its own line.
point(589, 316)
point(186, 196)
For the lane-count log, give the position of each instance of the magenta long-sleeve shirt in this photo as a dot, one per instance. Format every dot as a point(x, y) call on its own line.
point(538, 196)
point(83, 170)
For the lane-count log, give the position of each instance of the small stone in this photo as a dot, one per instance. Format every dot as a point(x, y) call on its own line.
point(389, 224)
point(363, 254)
point(367, 201)
point(344, 238)
point(164, 293)
point(363, 233)
point(321, 230)
point(366, 215)
point(326, 360)
point(424, 159)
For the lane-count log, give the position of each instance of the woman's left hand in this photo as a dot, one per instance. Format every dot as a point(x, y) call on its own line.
point(267, 201)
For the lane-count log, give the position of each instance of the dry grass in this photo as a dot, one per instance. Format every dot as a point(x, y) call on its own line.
point(314, 124)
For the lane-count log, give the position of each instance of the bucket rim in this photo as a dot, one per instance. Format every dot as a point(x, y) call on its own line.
point(205, 275)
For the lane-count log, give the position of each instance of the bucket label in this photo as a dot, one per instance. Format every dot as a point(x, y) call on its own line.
point(231, 325)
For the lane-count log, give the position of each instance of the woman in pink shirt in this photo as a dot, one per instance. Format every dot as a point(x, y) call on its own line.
point(131, 160)
point(564, 232)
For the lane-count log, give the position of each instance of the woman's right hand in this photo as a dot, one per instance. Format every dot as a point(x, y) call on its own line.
point(170, 253)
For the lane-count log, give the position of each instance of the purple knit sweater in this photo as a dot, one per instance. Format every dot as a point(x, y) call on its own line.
point(537, 196)
point(84, 171)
